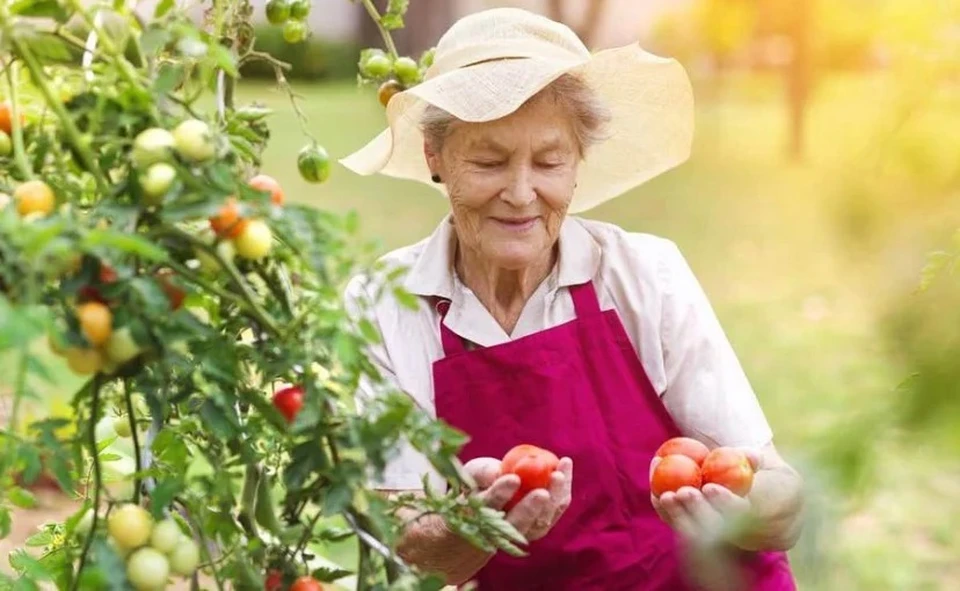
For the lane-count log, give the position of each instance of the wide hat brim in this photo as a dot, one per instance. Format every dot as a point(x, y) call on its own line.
point(650, 99)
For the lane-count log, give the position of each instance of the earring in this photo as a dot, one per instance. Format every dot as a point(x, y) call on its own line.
point(435, 178)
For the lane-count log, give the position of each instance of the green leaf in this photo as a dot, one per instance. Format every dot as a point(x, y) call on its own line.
point(219, 422)
point(41, 8)
point(169, 77)
point(39, 539)
point(29, 459)
point(27, 565)
point(336, 499)
point(5, 522)
point(163, 495)
point(48, 47)
point(329, 575)
point(163, 7)
point(110, 457)
point(22, 498)
point(110, 573)
point(224, 59)
point(126, 242)
point(405, 298)
point(369, 332)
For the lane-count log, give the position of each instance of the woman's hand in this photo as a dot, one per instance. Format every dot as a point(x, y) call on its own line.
point(706, 514)
point(536, 514)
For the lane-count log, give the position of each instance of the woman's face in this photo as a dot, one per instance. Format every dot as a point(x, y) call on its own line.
point(510, 182)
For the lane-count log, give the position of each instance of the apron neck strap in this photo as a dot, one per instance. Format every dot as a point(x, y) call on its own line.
point(452, 344)
point(585, 300)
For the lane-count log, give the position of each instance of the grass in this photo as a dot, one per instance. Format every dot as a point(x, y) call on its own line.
point(771, 243)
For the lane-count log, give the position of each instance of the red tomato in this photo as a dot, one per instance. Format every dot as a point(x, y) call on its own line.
point(268, 184)
point(672, 473)
point(684, 446)
point(729, 468)
point(289, 401)
point(228, 222)
point(107, 273)
point(306, 584)
point(533, 465)
point(274, 581)
point(174, 293)
point(6, 118)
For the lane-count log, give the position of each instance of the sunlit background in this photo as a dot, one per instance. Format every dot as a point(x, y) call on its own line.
point(826, 171)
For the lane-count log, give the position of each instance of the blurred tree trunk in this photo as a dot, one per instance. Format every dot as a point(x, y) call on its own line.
point(799, 75)
point(589, 25)
point(425, 22)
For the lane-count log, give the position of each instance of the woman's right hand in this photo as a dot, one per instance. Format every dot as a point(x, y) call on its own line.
point(539, 511)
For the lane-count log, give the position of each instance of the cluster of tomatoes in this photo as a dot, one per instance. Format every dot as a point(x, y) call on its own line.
point(292, 14)
point(153, 551)
point(395, 75)
point(6, 129)
point(687, 462)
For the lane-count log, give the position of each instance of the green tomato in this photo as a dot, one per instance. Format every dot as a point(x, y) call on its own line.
point(6, 144)
point(209, 264)
point(407, 71)
point(85, 524)
point(294, 31)
point(151, 146)
point(121, 347)
point(148, 569)
point(130, 525)
point(299, 9)
point(166, 535)
point(314, 164)
point(193, 140)
point(122, 426)
point(377, 65)
point(157, 181)
point(278, 11)
point(185, 557)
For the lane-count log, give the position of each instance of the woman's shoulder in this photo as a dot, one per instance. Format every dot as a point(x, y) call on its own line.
point(633, 254)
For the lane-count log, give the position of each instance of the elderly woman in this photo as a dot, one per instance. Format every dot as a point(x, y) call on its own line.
point(574, 335)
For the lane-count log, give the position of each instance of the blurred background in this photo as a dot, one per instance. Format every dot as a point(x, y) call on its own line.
point(825, 179)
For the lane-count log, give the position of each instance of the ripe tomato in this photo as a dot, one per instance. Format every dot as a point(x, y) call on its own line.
point(175, 293)
point(151, 146)
point(729, 468)
point(193, 140)
point(6, 118)
point(533, 465)
point(313, 162)
point(268, 184)
point(148, 569)
point(299, 9)
point(407, 70)
point(157, 181)
point(254, 241)
point(306, 584)
point(289, 401)
point(96, 322)
point(165, 535)
point(274, 581)
point(185, 557)
point(34, 196)
point(294, 31)
point(377, 65)
point(672, 473)
point(6, 145)
point(130, 525)
point(387, 90)
point(228, 223)
point(278, 11)
point(684, 446)
point(106, 273)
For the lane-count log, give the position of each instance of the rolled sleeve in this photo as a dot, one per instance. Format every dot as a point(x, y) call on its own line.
point(708, 393)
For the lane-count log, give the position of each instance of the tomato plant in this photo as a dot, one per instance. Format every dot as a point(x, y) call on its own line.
point(533, 465)
point(729, 468)
point(145, 244)
point(306, 584)
point(674, 472)
point(684, 446)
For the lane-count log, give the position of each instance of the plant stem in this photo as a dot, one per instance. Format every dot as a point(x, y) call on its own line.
point(97, 476)
point(107, 43)
point(73, 134)
point(387, 39)
point(19, 152)
point(136, 440)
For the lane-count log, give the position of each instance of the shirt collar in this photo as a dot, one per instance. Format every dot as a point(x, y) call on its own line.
point(433, 274)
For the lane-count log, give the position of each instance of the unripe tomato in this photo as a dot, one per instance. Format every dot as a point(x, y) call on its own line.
point(122, 427)
point(533, 465)
point(306, 584)
point(228, 223)
point(407, 70)
point(151, 146)
point(387, 90)
point(278, 11)
point(289, 401)
point(313, 162)
point(729, 468)
point(377, 65)
point(165, 536)
point(6, 145)
point(185, 557)
point(83, 361)
point(274, 581)
point(6, 118)
point(674, 472)
point(130, 525)
point(85, 524)
point(208, 263)
point(157, 181)
point(96, 322)
point(148, 569)
point(121, 346)
point(684, 446)
point(254, 241)
point(299, 9)
point(193, 140)
point(268, 184)
point(294, 31)
point(34, 197)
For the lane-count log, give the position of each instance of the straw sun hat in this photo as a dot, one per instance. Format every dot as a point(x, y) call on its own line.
point(490, 63)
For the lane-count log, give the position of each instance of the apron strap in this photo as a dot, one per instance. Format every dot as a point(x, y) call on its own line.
point(585, 300)
point(452, 344)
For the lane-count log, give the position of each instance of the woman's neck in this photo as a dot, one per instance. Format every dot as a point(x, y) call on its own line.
point(503, 292)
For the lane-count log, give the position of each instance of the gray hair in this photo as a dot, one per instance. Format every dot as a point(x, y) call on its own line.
point(590, 115)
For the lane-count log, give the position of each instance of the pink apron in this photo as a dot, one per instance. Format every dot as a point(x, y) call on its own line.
point(580, 390)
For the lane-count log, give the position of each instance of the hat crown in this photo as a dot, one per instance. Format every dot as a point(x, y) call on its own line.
point(504, 33)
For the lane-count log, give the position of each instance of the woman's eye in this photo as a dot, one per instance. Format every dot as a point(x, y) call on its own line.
point(486, 163)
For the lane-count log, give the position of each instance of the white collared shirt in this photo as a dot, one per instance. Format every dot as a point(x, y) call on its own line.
point(645, 278)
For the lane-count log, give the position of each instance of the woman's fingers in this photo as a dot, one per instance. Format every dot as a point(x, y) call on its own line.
point(532, 516)
point(484, 471)
point(501, 491)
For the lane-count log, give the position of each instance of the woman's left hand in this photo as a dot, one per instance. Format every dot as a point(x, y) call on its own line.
point(703, 515)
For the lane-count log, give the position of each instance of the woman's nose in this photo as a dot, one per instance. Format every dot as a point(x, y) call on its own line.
point(520, 191)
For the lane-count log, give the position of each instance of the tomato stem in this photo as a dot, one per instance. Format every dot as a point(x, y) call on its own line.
point(95, 384)
point(387, 39)
point(136, 440)
point(19, 152)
